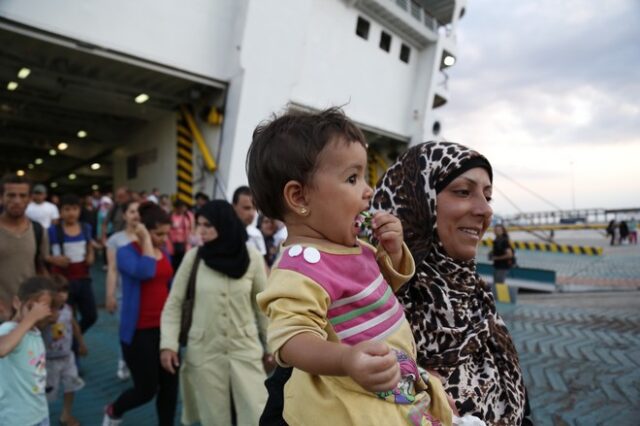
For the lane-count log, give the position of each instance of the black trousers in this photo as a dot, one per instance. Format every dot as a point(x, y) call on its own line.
point(272, 414)
point(84, 302)
point(149, 378)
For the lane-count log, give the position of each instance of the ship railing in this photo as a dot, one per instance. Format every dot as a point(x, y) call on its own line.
point(418, 13)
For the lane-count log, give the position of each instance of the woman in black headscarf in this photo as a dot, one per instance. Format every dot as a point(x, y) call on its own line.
point(226, 342)
point(441, 193)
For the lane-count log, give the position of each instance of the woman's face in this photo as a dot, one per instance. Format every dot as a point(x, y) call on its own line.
point(498, 230)
point(268, 226)
point(159, 234)
point(206, 230)
point(132, 216)
point(464, 214)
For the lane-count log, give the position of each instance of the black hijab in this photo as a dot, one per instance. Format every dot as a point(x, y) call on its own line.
point(228, 253)
point(457, 329)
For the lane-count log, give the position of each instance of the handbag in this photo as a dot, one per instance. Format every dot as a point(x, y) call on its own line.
point(186, 315)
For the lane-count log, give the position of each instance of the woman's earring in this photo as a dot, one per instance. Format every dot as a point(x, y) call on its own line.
point(304, 211)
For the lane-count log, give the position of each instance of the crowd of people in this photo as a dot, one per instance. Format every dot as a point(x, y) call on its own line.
point(622, 232)
point(279, 319)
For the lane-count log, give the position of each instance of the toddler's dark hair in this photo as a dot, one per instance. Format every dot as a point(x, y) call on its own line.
point(33, 287)
point(152, 215)
point(60, 283)
point(287, 148)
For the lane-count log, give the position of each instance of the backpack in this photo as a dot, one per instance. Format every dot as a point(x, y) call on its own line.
point(37, 233)
point(513, 262)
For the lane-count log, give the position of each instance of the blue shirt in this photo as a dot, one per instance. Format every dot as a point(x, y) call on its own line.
point(23, 378)
point(134, 268)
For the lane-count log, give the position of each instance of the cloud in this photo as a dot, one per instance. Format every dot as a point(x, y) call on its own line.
point(550, 92)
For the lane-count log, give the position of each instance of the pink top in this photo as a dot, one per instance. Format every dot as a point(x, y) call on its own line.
point(363, 306)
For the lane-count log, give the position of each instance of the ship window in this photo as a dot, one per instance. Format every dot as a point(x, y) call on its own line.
point(362, 28)
point(385, 41)
point(405, 53)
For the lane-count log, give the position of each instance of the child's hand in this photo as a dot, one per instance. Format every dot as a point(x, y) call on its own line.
point(60, 261)
point(37, 311)
point(82, 349)
point(373, 365)
point(111, 304)
point(388, 230)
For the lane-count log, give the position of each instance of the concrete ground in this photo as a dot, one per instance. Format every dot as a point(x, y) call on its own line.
point(580, 354)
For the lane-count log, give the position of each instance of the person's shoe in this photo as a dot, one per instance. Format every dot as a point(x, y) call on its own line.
point(108, 419)
point(123, 371)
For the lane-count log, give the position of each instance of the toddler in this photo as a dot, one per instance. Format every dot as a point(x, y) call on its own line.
point(330, 298)
point(61, 361)
point(22, 356)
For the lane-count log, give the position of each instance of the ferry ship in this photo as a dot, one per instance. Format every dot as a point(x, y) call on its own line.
point(164, 94)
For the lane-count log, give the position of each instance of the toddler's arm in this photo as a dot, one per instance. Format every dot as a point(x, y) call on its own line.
point(77, 334)
point(370, 364)
point(8, 342)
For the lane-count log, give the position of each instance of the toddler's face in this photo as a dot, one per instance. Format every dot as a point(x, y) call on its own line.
point(339, 192)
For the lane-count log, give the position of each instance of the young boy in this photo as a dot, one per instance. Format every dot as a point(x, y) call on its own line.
point(61, 364)
point(71, 256)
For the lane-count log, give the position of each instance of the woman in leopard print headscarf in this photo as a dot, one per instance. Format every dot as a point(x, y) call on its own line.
point(457, 330)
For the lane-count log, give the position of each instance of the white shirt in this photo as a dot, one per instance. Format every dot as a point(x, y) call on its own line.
point(256, 239)
point(280, 236)
point(43, 213)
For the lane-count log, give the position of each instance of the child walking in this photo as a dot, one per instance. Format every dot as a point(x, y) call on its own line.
point(71, 256)
point(330, 297)
point(61, 361)
point(22, 356)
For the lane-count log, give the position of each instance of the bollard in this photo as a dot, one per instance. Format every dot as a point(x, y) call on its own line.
point(506, 294)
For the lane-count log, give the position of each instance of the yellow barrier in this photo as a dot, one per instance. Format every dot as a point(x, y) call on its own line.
point(551, 247)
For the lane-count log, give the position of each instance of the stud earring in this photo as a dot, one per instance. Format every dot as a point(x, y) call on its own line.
point(304, 211)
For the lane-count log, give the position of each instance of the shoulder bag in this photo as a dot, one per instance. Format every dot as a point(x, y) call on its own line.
point(187, 304)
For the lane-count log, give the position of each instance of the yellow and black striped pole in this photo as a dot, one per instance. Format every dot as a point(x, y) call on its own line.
point(552, 247)
point(184, 162)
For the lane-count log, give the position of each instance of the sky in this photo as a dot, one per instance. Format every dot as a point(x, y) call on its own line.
point(549, 91)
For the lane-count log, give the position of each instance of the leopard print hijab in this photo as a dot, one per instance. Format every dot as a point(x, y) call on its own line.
point(457, 329)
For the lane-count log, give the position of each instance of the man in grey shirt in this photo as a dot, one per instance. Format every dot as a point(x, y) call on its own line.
point(22, 249)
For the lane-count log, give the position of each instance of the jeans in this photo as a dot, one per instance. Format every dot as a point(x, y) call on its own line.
point(83, 301)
